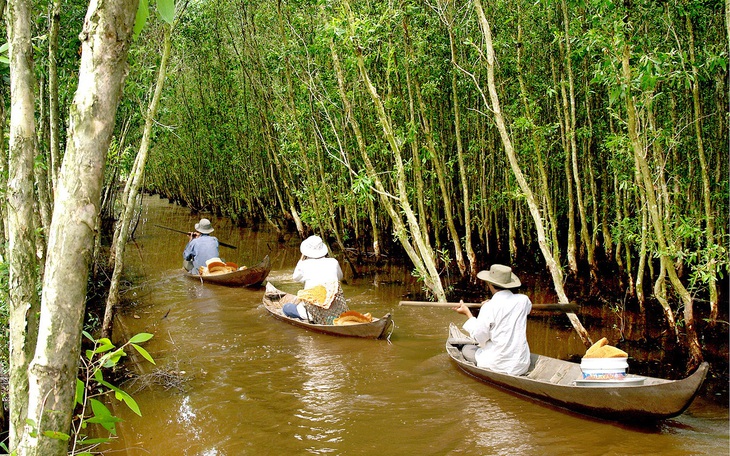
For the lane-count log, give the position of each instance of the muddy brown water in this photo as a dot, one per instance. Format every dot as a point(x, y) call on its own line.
point(258, 386)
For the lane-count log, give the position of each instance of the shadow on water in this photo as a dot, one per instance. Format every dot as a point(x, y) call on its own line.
point(258, 386)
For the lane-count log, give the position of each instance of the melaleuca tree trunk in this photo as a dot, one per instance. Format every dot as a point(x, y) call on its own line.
point(511, 156)
point(23, 276)
point(105, 41)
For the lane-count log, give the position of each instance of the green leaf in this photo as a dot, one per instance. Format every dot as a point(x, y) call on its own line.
point(166, 8)
point(79, 392)
point(114, 358)
point(99, 408)
point(103, 416)
point(121, 395)
point(93, 442)
point(57, 435)
point(141, 337)
point(143, 12)
point(144, 353)
point(104, 346)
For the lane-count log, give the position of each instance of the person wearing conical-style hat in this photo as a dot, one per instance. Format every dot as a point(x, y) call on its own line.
point(500, 328)
point(201, 247)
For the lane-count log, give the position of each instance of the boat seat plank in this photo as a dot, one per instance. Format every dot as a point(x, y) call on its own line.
point(552, 371)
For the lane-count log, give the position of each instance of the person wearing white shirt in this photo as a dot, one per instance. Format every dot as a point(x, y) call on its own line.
point(313, 268)
point(500, 328)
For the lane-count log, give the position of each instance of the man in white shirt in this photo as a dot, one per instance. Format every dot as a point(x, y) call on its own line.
point(501, 326)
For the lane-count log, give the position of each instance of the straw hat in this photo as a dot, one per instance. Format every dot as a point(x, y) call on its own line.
point(313, 247)
point(204, 226)
point(501, 276)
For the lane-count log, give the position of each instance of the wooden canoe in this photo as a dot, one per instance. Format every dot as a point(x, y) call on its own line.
point(379, 328)
point(561, 383)
point(248, 277)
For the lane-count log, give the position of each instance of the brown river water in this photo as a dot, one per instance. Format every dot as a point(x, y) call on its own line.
point(258, 386)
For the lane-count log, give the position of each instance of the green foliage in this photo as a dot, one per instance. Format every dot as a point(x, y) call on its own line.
point(143, 12)
point(166, 9)
point(92, 385)
point(254, 97)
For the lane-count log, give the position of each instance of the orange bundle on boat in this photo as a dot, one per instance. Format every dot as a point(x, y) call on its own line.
point(352, 317)
point(601, 349)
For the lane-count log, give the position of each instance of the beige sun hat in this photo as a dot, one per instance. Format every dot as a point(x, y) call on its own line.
point(313, 247)
point(204, 226)
point(500, 275)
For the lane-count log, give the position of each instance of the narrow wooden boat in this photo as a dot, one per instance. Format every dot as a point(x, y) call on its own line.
point(247, 277)
point(379, 328)
point(561, 383)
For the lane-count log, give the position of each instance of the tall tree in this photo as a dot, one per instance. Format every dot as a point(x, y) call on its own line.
point(52, 372)
point(134, 182)
point(657, 223)
point(23, 266)
point(511, 156)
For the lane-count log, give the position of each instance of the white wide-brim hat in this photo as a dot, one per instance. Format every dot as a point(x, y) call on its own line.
point(500, 275)
point(204, 226)
point(313, 247)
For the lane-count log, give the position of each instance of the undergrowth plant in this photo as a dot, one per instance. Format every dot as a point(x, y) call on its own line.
point(91, 386)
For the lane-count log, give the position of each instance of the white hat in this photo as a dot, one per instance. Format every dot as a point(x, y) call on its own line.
point(500, 275)
point(204, 226)
point(313, 247)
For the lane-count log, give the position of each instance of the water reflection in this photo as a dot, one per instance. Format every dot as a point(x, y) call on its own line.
point(320, 393)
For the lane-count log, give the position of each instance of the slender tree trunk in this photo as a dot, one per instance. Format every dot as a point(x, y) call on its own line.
point(561, 106)
point(44, 205)
point(705, 172)
point(655, 216)
point(571, 123)
point(463, 176)
point(3, 173)
point(3, 191)
point(105, 42)
point(53, 108)
point(421, 254)
point(552, 226)
point(135, 183)
point(23, 267)
point(554, 268)
point(438, 166)
point(415, 146)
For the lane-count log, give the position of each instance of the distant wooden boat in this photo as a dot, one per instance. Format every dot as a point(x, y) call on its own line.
point(245, 277)
point(561, 383)
point(377, 329)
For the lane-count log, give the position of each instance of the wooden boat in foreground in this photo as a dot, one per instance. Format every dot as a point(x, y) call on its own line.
point(379, 328)
point(561, 383)
point(246, 277)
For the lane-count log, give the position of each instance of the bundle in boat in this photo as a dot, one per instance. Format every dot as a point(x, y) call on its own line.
point(352, 317)
point(216, 266)
point(604, 362)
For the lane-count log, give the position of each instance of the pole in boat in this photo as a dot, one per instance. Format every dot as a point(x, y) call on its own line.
point(223, 244)
point(548, 306)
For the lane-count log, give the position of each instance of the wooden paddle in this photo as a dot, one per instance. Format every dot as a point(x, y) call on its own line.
point(549, 307)
point(188, 233)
